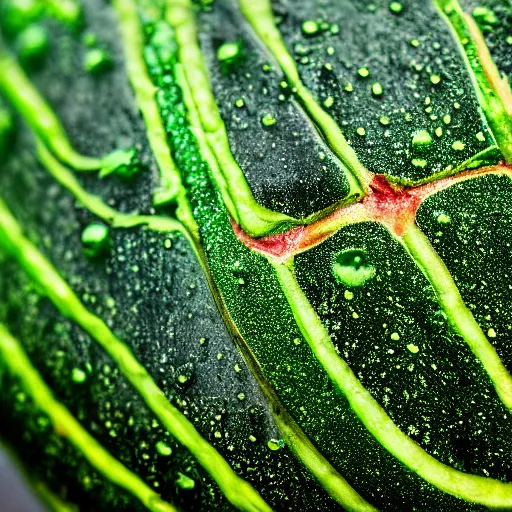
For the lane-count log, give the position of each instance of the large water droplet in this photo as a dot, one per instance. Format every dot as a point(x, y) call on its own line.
point(352, 268)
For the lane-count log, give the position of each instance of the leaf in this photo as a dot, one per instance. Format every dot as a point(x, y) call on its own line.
point(324, 291)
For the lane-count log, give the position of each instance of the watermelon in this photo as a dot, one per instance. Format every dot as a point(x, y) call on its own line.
point(255, 254)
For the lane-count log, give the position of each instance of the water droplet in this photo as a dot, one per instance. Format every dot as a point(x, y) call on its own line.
point(396, 7)
point(95, 240)
point(329, 102)
point(363, 72)
point(78, 375)
point(268, 120)
point(97, 60)
point(185, 482)
point(351, 267)
point(310, 28)
point(275, 444)
point(484, 16)
point(435, 79)
point(229, 54)
point(32, 43)
point(377, 89)
point(421, 139)
point(419, 162)
point(442, 218)
point(163, 449)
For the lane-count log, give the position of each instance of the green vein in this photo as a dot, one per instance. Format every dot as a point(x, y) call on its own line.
point(260, 17)
point(334, 484)
point(205, 150)
point(426, 257)
point(39, 116)
point(240, 493)
point(337, 487)
point(66, 425)
point(255, 219)
point(54, 502)
point(477, 489)
point(493, 92)
point(487, 157)
point(171, 187)
point(97, 207)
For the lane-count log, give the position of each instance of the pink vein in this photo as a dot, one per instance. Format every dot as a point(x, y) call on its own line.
point(393, 206)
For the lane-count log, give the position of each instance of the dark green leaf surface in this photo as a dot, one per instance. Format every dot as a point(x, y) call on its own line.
point(371, 36)
point(287, 165)
point(210, 320)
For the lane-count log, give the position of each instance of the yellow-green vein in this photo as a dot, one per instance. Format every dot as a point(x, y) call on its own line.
point(255, 219)
point(66, 425)
point(52, 500)
point(426, 257)
point(335, 485)
point(477, 489)
point(18, 89)
point(171, 187)
point(260, 17)
point(492, 90)
point(330, 479)
point(240, 493)
point(99, 208)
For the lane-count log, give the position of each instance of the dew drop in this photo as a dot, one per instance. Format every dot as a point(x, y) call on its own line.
point(163, 449)
point(275, 444)
point(421, 139)
point(78, 375)
point(310, 28)
point(185, 482)
point(442, 218)
point(396, 7)
point(351, 267)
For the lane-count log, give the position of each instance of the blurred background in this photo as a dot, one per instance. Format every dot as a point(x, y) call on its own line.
point(15, 494)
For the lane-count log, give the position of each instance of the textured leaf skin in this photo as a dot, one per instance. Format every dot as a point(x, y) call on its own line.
point(163, 308)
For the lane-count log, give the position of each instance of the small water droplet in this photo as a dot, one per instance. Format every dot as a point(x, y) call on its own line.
point(351, 267)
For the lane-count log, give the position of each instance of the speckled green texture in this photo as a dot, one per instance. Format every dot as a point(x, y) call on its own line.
point(314, 178)
point(214, 322)
point(379, 40)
